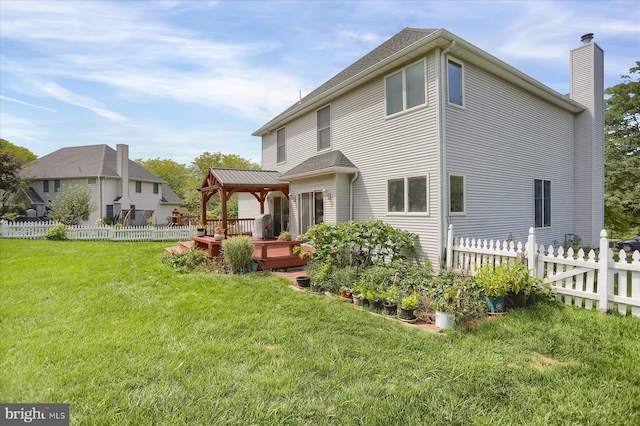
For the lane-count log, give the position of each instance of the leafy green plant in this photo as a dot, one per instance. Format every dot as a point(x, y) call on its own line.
point(237, 252)
point(390, 295)
point(189, 260)
point(493, 282)
point(410, 302)
point(285, 236)
point(57, 232)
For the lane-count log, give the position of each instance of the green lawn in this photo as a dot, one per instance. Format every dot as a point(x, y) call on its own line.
point(126, 340)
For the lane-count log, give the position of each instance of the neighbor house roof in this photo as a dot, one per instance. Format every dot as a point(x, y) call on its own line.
point(168, 196)
point(328, 162)
point(83, 161)
point(407, 45)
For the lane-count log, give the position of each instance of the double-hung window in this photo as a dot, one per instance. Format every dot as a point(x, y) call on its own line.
point(455, 87)
point(156, 188)
point(406, 89)
point(56, 185)
point(45, 186)
point(456, 194)
point(281, 146)
point(323, 117)
point(407, 195)
point(542, 203)
point(138, 187)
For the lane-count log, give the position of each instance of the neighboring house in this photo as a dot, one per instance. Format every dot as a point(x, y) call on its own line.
point(120, 188)
point(428, 130)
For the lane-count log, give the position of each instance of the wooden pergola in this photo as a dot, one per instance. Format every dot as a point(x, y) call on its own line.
point(227, 182)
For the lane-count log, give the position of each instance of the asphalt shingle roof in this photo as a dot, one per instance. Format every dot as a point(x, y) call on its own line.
point(326, 161)
point(83, 161)
point(403, 39)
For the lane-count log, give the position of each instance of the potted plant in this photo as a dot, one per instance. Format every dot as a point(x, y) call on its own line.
point(408, 304)
point(237, 252)
point(200, 229)
point(390, 300)
point(285, 236)
point(494, 284)
point(446, 306)
point(218, 233)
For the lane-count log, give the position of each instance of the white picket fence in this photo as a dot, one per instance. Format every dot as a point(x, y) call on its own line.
point(587, 280)
point(33, 230)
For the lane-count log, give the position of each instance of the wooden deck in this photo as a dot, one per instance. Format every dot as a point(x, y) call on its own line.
point(273, 253)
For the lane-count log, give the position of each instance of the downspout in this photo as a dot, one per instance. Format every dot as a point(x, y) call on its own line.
point(442, 229)
point(100, 196)
point(355, 177)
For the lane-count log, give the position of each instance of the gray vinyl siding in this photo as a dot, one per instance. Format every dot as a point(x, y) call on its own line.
point(381, 148)
point(342, 196)
point(587, 88)
point(500, 142)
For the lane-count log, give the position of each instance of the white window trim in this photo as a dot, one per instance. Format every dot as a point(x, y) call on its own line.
point(404, 90)
point(406, 211)
point(462, 71)
point(283, 128)
point(534, 203)
point(328, 127)
point(464, 194)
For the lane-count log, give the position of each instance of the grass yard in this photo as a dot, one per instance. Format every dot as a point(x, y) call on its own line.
point(126, 340)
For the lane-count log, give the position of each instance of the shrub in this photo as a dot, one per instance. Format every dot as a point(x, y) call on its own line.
point(190, 260)
point(57, 233)
point(363, 243)
point(237, 252)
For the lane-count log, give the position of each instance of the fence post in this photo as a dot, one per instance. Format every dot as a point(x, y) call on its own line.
point(532, 252)
point(603, 261)
point(449, 254)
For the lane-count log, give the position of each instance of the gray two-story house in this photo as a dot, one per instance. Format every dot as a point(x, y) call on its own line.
point(429, 130)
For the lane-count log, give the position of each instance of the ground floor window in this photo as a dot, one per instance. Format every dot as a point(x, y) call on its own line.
point(456, 194)
point(407, 195)
point(542, 203)
point(110, 210)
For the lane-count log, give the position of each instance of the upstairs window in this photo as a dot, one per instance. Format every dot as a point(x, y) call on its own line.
point(407, 195)
point(454, 83)
point(542, 203)
point(45, 186)
point(56, 185)
point(156, 188)
point(281, 146)
point(91, 181)
point(406, 89)
point(323, 117)
point(138, 187)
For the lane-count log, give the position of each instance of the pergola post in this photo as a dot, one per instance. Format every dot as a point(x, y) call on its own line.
point(223, 200)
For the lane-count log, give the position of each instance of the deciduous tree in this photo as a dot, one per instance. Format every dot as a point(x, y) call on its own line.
point(622, 153)
point(72, 205)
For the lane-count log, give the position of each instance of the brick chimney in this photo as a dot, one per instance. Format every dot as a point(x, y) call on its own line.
point(587, 88)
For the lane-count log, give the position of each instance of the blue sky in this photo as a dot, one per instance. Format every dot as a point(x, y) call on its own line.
point(173, 79)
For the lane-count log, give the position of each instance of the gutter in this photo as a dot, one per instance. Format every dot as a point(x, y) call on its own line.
point(442, 136)
point(355, 177)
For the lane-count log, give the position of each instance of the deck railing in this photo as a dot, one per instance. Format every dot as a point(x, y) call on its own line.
point(235, 226)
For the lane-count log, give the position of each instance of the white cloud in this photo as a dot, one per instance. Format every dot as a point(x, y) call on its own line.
point(26, 103)
point(58, 92)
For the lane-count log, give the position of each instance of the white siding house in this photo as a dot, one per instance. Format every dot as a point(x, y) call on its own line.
point(428, 130)
point(118, 185)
